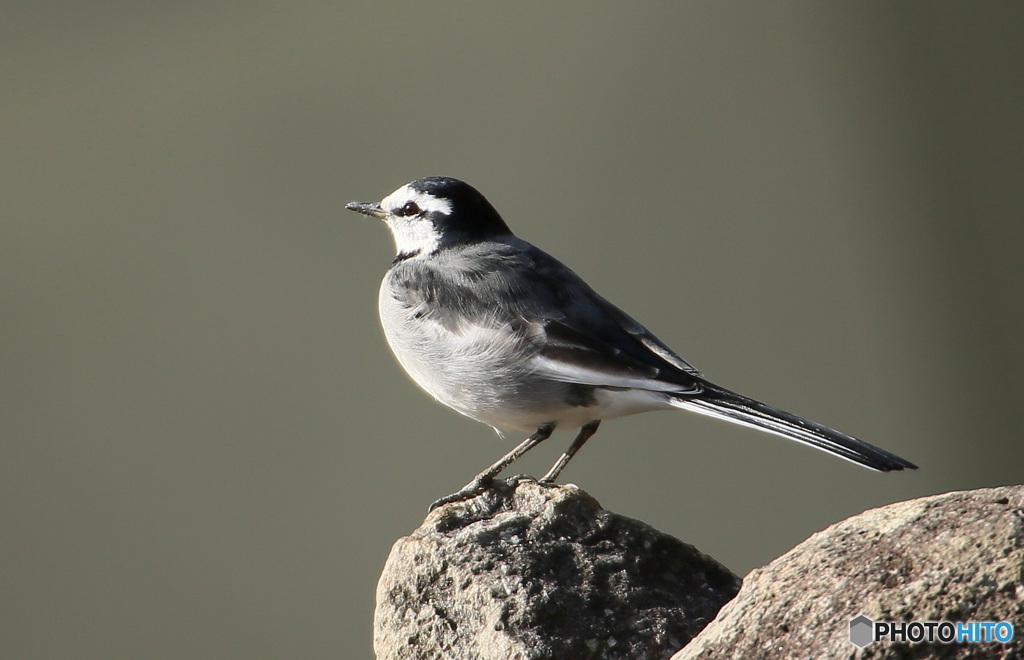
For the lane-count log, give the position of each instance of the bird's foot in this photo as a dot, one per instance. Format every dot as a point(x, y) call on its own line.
point(467, 492)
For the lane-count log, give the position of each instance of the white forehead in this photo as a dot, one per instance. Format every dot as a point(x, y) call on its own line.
point(425, 201)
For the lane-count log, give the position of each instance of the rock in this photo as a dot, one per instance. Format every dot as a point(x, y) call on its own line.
point(955, 557)
point(530, 571)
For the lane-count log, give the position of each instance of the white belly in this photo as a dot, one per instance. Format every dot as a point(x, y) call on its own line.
point(483, 371)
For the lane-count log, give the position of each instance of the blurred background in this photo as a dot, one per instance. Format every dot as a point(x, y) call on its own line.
point(206, 448)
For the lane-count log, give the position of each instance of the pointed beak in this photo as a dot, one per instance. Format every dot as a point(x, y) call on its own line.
point(371, 209)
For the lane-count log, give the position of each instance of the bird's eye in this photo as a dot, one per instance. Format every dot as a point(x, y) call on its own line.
point(410, 208)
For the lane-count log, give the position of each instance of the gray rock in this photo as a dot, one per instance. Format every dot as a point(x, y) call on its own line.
point(527, 571)
point(955, 557)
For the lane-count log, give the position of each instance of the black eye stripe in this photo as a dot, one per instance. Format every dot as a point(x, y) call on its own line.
point(410, 208)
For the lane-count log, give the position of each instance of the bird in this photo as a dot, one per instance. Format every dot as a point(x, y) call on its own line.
point(504, 333)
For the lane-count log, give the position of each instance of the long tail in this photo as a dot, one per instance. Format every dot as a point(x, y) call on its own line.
point(719, 402)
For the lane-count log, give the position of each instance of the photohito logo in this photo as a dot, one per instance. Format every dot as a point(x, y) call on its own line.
point(863, 631)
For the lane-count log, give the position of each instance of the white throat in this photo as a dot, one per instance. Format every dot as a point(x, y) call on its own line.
point(413, 235)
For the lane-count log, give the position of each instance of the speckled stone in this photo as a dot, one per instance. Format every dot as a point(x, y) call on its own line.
point(530, 571)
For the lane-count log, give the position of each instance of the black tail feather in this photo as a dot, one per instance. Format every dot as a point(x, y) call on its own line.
point(719, 402)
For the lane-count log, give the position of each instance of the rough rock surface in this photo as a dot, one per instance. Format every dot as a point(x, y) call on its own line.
point(527, 571)
point(956, 557)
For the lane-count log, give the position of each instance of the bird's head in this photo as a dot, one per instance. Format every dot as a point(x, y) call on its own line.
point(436, 212)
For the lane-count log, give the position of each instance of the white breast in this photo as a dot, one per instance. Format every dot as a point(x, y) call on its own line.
point(470, 368)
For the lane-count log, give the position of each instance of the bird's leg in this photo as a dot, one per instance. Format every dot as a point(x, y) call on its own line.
point(584, 435)
point(484, 479)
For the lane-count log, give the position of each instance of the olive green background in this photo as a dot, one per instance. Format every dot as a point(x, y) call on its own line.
point(206, 449)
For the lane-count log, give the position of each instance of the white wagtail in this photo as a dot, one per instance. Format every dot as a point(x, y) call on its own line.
point(502, 332)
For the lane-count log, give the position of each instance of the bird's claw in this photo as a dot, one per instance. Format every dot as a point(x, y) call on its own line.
point(469, 491)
